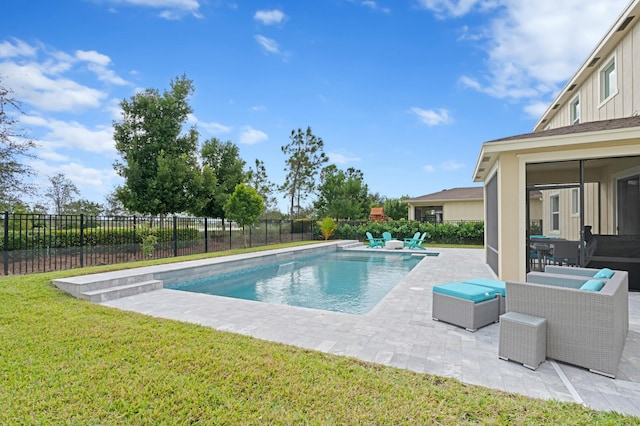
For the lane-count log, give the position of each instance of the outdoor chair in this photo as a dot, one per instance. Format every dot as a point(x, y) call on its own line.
point(585, 326)
point(374, 242)
point(418, 243)
point(564, 252)
point(386, 236)
point(408, 241)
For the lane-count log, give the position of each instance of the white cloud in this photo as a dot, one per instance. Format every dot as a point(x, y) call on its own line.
point(451, 165)
point(269, 17)
point(252, 136)
point(172, 9)
point(71, 135)
point(532, 46)
point(455, 8)
point(93, 56)
point(211, 127)
point(257, 108)
point(31, 85)
point(429, 169)
point(432, 117)
point(19, 48)
point(338, 158)
point(374, 6)
point(215, 128)
point(268, 44)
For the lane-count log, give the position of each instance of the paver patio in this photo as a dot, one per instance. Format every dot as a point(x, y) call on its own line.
point(400, 332)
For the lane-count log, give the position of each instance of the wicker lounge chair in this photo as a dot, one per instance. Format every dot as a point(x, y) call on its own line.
point(584, 328)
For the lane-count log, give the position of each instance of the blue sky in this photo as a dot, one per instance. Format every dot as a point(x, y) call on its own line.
point(406, 90)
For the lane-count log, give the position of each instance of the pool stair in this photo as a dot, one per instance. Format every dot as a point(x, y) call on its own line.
point(111, 288)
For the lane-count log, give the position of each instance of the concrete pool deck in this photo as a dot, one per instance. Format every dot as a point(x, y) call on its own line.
point(400, 332)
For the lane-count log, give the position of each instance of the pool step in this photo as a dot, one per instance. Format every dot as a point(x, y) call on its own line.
point(111, 293)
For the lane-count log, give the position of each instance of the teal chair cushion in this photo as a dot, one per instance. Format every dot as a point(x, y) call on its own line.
point(496, 285)
point(604, 273)
point(472, 292)
point(592, 285)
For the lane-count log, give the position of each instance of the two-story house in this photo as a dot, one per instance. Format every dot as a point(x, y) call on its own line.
point(583, 156)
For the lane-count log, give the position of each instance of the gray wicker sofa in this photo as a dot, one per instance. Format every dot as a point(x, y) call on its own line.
point(584, 328)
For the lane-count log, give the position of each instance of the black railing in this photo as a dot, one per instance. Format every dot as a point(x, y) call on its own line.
point(41, 243)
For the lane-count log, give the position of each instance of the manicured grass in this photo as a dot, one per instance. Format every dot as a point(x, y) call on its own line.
point(67, 361)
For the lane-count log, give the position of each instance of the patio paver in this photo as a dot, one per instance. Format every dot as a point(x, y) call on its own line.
point(399, 332)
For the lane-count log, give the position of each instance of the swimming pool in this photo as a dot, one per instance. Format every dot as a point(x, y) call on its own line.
point(348, 282)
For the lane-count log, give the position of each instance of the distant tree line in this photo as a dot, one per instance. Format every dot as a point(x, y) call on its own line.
point(167, 170)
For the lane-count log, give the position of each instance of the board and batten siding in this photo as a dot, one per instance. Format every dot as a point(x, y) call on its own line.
point(625, 103)
point(569, 222)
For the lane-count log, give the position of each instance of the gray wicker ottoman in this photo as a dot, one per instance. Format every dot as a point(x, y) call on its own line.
point(523, 338)
point(465, 305)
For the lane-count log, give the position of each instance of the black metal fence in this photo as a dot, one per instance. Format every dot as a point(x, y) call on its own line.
point(41, 243)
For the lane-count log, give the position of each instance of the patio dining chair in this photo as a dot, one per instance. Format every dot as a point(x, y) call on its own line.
point(564, 252)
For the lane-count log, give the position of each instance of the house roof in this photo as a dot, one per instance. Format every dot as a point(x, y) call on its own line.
point(620, 130)
point(377, 211)
point(593, 62)
point(453, 194)
point(590, 126)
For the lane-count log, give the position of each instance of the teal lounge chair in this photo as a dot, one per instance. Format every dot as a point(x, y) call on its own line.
point(386, 236)
point(418, 243)
point(374, 242)
point(408, 241)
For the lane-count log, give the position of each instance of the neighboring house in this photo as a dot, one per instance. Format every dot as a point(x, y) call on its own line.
point(448, 205)
point(459, 204)
point(583, 156)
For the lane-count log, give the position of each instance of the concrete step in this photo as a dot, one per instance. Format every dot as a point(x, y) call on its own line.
point(111, 293)
point(84, 284)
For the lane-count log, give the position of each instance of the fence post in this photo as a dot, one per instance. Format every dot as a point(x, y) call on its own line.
point(266, 232)
point(135, 244)
point(81, 240)
point(206, 237)
point(250, 235)
point(6, 243)
point(175, 236)
point(230, 244)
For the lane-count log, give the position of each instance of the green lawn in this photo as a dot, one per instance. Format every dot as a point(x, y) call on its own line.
point(67, 361)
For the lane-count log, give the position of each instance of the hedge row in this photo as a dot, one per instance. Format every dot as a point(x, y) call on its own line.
point(443, 233)
point(38, 239)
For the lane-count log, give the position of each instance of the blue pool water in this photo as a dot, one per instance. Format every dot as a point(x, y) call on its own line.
point(348, 282)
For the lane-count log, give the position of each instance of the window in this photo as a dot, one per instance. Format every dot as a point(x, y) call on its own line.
point(575, 201)
point(574, 106)
point(554, 201)
point(608, 80)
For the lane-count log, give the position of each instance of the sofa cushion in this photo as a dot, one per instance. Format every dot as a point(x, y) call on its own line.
point(604, 273)
point(472, 292)
point(592, 285)
point(496, 285)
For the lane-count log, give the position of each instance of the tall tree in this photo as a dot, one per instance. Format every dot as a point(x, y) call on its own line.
point(223, 158)
point(306, 157)
point(158, 159)
point(342, 195)
point(61, 192)
point(15, 147)
point(244, 206)
point(396, 209)
point(259, 180)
